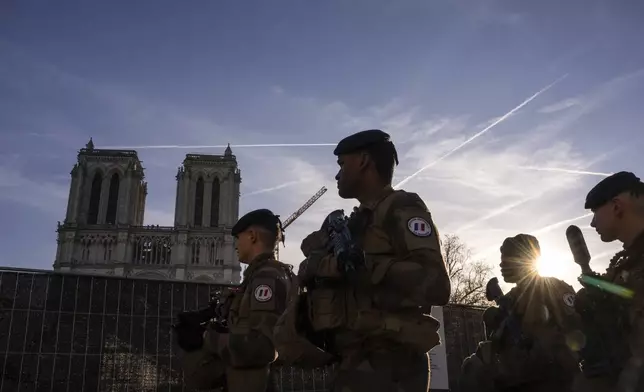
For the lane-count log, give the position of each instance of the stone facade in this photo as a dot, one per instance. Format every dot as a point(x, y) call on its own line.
point(103, 231)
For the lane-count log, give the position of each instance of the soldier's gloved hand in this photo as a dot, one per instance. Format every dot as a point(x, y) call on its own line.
point(302, 271)
point(309, 267)
point(189, 336)
point(315, 241)
point(351, 260)
point(213, 340)
point(319, 264)
point(493, 290)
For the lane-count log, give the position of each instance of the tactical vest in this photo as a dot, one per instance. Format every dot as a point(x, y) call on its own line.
point(352, 311)
point(202, 370)
point(606, 320)
point(526, 335)
point(294, 338)
point(239, 311)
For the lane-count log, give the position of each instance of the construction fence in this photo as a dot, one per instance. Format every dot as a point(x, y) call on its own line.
point(70, 332)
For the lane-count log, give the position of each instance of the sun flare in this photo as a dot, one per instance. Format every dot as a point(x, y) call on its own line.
point(552, 263)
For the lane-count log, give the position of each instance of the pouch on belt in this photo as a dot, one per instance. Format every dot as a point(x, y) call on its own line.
point(417, 332)
point(202, 370)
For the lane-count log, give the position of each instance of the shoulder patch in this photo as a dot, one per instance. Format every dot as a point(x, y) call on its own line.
point(569, 299)
point(263, 293)
point(419, 227)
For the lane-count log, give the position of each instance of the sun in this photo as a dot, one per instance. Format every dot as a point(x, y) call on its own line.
point(552, 263)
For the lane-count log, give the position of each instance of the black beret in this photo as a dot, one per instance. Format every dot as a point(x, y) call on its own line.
point(612, 186)
point(364, 139)
point(263, 218)
point(523, 246)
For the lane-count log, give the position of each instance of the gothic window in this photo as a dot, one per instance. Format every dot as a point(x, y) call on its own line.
point(152, 250)
point(112, 200)
point(212, 249)
point(94, 199)
point(136, 252)
point(105, 247)
point(107, 250)
point(86, 245)
point(199, 203)
point(214, 204)
point(165, 252)
point(196, 248)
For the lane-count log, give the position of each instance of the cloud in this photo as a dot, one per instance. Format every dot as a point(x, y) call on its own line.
point(514, 175)
point(486, 129)
point(563, 105)
point(32, 77)
point(44, 195)
point(500, 185)
point(595, 98)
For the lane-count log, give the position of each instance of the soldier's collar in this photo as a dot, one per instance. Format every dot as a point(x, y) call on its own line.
point(380, 196)
point(257, 261)
point(637, 246)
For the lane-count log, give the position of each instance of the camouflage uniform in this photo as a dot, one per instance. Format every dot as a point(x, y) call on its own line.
point(622, 311)
point(247, 348)
point(531, 334)
point(378, 321)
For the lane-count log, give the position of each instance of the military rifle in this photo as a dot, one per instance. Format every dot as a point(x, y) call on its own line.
point(602, 307)
point(349, 256)
point(215, 313)
point(508, 320)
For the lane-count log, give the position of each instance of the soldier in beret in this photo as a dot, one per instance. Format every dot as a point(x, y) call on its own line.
point(253, 308)
point(532, 333)
point(374, 305)
point(617, 203)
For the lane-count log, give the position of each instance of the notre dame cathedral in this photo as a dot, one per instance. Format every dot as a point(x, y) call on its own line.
point(103, 231)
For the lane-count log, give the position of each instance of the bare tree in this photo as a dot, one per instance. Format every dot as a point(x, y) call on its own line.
point(468, 277)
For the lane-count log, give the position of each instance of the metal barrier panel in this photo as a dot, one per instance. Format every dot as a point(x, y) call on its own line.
point(69, 333)
point(463, 332)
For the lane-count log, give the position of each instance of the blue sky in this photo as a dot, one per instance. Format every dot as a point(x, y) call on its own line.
point(431, 73)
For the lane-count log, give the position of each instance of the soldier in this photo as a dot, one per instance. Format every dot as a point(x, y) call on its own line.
point(373, 302)
point(247, 348)
point(614, 305)
point(531, 334)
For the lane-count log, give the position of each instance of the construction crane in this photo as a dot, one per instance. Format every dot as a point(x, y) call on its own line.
point(297, 214)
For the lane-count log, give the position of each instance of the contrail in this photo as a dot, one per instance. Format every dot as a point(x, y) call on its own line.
point(571, 171)
point(177, 146)
point(542, 230)
point(513, 205)
point(497, 212)
point(500, 119)
point(274, 188)
point(561, 223)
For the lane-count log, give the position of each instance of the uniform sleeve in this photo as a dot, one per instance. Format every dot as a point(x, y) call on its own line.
point(491, 320)
point(250, 344)
point(563, 302)
point(319, 264)
point(631, 378)
point(418, 271)
point(565, 338)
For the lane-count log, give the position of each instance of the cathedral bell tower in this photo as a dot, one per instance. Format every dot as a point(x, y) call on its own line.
point(103, 231)
point(107, 192)
point(208, 191)
point(206, 209)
